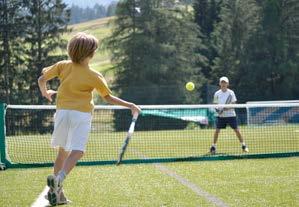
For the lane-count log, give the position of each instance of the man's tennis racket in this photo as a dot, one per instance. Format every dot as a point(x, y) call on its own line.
point(228, 101)
point(127, 140)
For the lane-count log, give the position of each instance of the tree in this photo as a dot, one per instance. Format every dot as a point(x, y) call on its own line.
point(206, 15)
point(240, 20)
point(79, 14)
point(46, 21)
point(100, 11)
point(111, 9)
point(273, 52)
point(30, 34)
point(153, 48)
point(11, 29)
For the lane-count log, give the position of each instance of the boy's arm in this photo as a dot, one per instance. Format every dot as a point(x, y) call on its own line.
point(49, 73)
point(118, 101)
point(42, 83)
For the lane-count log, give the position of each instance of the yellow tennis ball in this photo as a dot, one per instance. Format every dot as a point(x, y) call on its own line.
point(190, 86)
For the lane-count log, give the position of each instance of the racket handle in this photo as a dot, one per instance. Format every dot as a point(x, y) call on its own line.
point(135, 116)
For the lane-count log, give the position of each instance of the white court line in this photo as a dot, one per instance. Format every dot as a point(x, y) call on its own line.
point(200, 192)
point(41, 201)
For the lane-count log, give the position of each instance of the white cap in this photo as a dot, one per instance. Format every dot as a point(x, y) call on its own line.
point(223, 78)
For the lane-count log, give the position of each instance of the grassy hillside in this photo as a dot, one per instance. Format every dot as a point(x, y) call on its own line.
point(100, 29)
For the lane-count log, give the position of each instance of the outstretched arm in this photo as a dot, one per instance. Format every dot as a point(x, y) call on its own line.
point(118, 101)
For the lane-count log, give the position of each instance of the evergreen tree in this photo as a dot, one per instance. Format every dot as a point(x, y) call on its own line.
point(30, 34)
point(273, 53)
point(100, 11)
point(46, 21)
point(79, 14)
point(206, 15)
point(239, 22)
point(111, 9)
point(152, 48)
point(11, 49)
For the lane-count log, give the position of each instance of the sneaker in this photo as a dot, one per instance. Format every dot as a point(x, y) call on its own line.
point(245, 148)
point(61, 198)
point(55, 187)
point(213, 150)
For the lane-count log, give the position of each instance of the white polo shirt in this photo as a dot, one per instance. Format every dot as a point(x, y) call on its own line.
point(220, 97)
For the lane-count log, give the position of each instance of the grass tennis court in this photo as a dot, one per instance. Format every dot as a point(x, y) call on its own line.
point(239, 182)
point(254, 182)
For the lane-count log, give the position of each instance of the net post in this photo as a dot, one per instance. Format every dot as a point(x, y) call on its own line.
point(3, 161)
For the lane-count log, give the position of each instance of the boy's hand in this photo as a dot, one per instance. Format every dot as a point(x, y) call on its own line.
point(135, 109)
point(48, 94)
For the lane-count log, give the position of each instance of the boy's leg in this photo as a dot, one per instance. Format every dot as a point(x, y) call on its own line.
point(61, 157)
point(216, 134)
point(241, 139)
point(55, 194)
point(220, 124)
point(238, 134)
point(71, 161)
point(215, 139)
point(234, 125)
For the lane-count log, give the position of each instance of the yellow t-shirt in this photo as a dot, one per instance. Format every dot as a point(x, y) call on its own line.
point(76, 85)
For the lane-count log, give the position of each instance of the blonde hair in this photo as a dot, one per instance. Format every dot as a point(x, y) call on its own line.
point(82, 46)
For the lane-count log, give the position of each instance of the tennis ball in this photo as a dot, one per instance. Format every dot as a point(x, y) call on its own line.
point(190, 86)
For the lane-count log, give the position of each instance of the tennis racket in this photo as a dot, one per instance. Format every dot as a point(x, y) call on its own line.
point(228, 101)
point(127, 140)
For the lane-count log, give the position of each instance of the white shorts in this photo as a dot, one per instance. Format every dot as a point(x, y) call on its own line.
point(71, 129)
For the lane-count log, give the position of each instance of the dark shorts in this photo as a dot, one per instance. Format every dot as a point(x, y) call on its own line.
point(221, 122)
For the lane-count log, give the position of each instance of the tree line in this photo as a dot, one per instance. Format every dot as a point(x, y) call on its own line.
point(30, 33)
point(160, 45)
point(79, 14)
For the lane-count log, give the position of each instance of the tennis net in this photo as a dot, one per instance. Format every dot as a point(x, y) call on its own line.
point(162, 133)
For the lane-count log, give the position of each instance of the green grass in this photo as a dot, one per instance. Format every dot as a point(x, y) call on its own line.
point(263, 182)
point(159, 144)
point(246, 182)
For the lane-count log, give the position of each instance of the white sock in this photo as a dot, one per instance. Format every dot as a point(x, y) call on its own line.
point(61, 176)
point(214, 145)
point(243, 144)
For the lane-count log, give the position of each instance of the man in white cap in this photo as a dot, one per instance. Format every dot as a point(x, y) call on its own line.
point(226, 116)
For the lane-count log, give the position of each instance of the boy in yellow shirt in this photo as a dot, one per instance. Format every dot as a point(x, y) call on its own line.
point(72, 120)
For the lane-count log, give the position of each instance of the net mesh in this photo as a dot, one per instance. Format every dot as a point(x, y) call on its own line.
point(161, 132)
